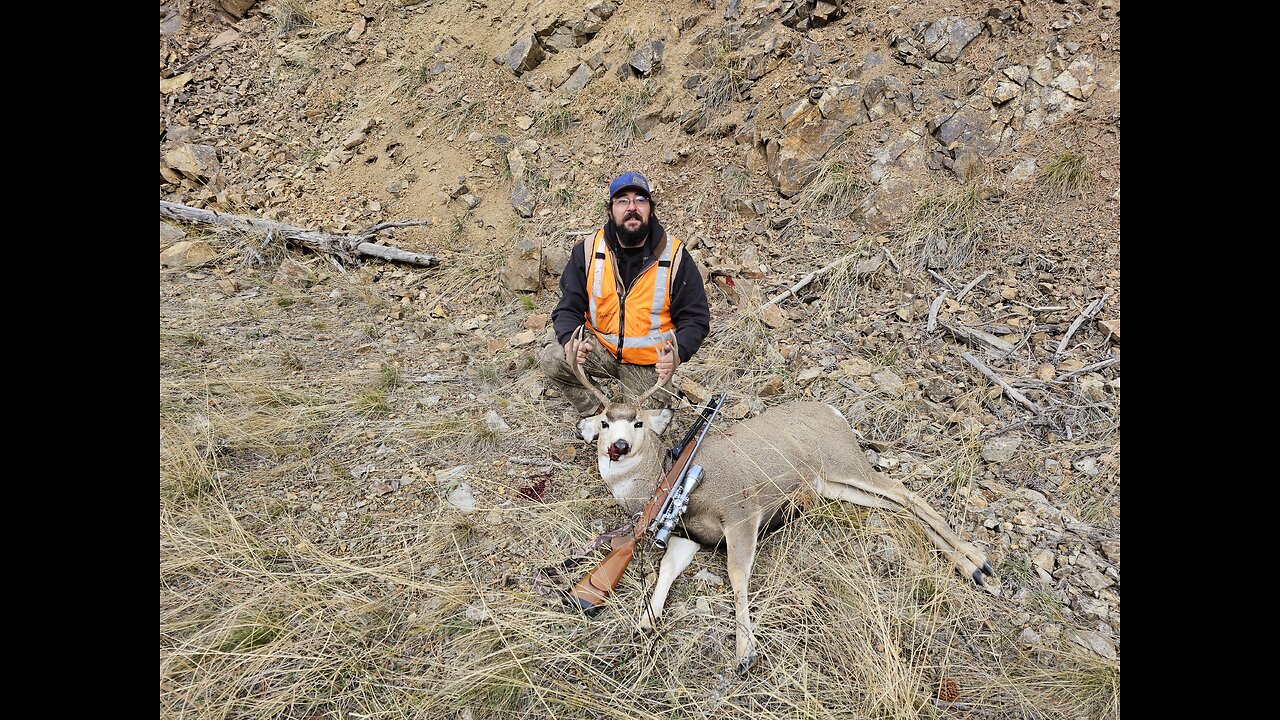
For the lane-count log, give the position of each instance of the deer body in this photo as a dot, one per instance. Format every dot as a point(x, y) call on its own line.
point(754, 472)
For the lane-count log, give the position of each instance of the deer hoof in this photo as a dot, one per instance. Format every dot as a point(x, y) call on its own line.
point(977, 578)
point(986, 568)
point(746, 664)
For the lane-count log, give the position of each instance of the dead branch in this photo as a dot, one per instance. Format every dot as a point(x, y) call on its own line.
point(978, 337)
point(866, 267)
point(344, 246)
point(1088, 368)
point(1085, 314)
point(938, 276)
point(933, 312)
point(993, 377)
point(889, 256)
point(972, 284)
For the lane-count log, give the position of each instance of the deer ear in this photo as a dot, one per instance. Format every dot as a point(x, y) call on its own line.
point(589, 427)
point(659, 419)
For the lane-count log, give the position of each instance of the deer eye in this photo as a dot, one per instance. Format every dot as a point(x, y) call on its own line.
point(639, 424)
point(604, 424)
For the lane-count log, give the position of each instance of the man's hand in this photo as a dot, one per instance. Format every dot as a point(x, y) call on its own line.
point(583, 349)
point(668, 361)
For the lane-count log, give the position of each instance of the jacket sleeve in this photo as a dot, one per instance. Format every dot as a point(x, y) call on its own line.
point(571, 311)
point(689, 310)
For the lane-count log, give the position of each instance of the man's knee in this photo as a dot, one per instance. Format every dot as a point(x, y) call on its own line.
point(551, 360)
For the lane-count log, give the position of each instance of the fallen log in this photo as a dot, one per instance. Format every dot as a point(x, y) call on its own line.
point(344, 246)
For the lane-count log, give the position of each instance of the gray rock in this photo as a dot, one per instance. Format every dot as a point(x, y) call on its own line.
point(1087, 465)
point(525, 55)
point(708, 577)
point(889, 382)
point(470, 200)
point(197, 162)
point(946, 38)
point(1000, 449)
point(1021, 173)
point(1077, 80)
point(171, 233)
point(1028, 638)
point(521, 198)
point(1096, 580)
point(523, 271)
point(578, 80)
point(1095, 642)
point(647, 58)
point(494, 422)
point(187, 253)
point(462, 499)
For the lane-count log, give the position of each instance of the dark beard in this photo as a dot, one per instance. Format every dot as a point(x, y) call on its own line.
point(626, 238)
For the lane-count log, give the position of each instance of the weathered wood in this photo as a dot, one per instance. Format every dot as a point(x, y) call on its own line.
point(972, 284)
point(866, 268)
point(344, 246)
point(933, 312)
point(993, 377)
point(1085, 314)
point(978, 337)
point(1088, 368)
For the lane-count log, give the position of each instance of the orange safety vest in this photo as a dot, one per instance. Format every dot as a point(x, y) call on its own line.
point(643, 316)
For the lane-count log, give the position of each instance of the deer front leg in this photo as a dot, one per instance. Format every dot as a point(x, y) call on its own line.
point(740, 542)
point(680, 552)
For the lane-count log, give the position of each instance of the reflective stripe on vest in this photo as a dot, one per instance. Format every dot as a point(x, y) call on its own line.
point(647, 311)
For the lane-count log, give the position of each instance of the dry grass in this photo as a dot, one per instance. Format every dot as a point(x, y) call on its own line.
point(837, 189)
point(945, 229)
point(296, 582)
point(626, 104)
point(1065, 175)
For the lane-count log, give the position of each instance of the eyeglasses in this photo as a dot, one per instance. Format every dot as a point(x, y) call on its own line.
point(639, 200)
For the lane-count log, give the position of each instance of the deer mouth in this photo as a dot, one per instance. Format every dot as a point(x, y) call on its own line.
point(618, 449)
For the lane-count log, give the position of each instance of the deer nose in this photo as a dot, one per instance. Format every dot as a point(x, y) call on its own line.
point(622, 446)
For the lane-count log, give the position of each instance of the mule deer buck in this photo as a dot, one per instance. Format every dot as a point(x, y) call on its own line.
point(753, 473)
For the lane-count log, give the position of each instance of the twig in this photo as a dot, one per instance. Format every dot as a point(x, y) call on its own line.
point(993, 377)
point(1088, 368)
point(340, 245)
point(521, 460)
point(403, 223)
point(945, 282)
point(972, 284)
point(578, 233)
point(889, 256)
point(1045, 308)
point(1087, 313)
point(862, 270)
point(933, 312)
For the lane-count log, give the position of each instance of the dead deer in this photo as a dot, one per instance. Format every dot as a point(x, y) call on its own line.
point(753, 473)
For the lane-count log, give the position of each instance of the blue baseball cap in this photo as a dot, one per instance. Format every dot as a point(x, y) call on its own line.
point(628, 181)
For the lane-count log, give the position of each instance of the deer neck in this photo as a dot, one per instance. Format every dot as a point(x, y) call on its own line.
point(631, 478)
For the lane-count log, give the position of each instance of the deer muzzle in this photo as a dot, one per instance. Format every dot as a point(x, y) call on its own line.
point(618, 449)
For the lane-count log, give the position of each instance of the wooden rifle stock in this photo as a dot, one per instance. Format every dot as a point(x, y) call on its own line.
point(590, 593)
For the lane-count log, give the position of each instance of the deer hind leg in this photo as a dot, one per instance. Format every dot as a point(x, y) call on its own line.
point(680, 552)
point(888, 494)
point(740, 541)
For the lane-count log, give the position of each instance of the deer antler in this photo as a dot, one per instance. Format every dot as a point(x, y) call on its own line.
point(661, 381)
point(580, 335)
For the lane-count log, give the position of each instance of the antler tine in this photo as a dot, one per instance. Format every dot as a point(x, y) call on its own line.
point(661, 381)
point(579, 335)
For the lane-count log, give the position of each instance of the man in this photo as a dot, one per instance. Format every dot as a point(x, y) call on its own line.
point(640, 295)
